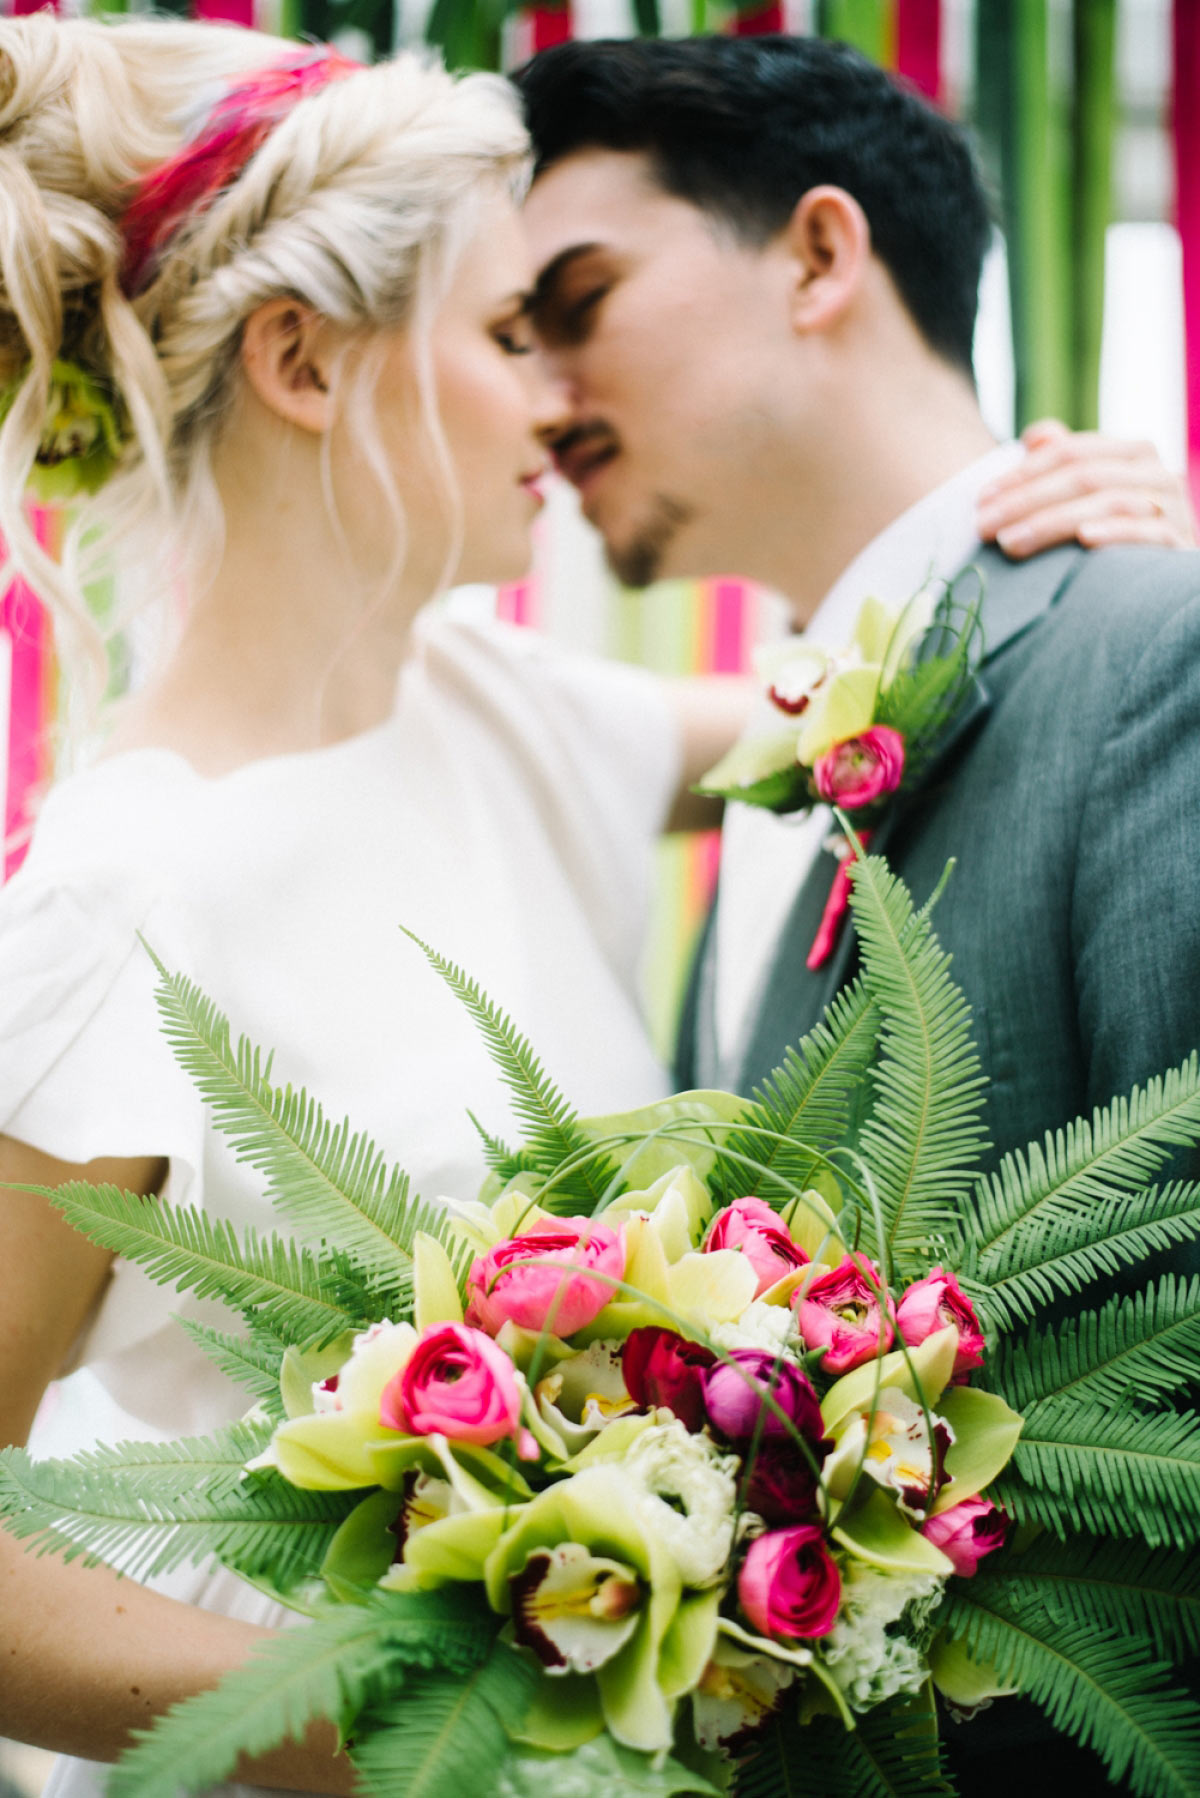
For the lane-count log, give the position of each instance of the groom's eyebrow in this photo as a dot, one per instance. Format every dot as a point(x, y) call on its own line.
point(549, 277)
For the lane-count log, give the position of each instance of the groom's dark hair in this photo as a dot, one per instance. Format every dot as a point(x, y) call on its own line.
point(743, 127)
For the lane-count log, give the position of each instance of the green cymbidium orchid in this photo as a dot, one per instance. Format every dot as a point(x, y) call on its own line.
point(330, 1449)
point(593, 1511)
point(81, 437)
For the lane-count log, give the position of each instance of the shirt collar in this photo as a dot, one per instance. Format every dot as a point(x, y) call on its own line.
point(931, 541)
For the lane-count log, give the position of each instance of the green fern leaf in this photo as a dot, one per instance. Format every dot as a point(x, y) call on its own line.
point(923, 1136)
point(1147, 1345)
point(1089, 1467)
point(536, 1100)
point(1086, 1166)
point(332, 1184)
point(446, 1734)
point(161, 1471)
point(1068, 1247)
point(105, 1513)
point(1117, 1587)
point(346, 1659)
point(805, 1104)
point(1108, 1693)
point(893, 1753)
point(253, 1360)
point(291, 1293)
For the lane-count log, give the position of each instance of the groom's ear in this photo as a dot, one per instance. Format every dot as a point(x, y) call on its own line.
point(829, 241)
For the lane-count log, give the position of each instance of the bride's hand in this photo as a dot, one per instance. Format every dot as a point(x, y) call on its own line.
point(1082, 486)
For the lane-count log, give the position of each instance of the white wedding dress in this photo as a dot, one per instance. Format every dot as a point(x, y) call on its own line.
point(506, 814)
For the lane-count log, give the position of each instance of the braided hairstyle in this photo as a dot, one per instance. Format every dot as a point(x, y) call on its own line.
point(357, 203)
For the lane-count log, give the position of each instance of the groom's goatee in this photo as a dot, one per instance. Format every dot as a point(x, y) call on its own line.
point(640, 561)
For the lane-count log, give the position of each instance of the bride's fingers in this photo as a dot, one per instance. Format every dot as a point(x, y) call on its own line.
point(1114, 515)
point(1126, 484)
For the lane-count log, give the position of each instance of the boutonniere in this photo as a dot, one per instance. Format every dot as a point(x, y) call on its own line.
point(862, 722)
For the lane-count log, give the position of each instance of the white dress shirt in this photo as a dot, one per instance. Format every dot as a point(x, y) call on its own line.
point(766, 857)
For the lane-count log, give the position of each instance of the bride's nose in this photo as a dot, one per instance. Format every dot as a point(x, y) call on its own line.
point(551, 398)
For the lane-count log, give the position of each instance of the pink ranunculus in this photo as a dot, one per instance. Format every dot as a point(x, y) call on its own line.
point(751, 1226)
point(789, 1584)
point(661, 1368)
point(544, 1279)
point(860, 770)
point(966, 1532)
point(733, 1397)
point(456, 1383)
point(841, 1313)
point(932, 1303)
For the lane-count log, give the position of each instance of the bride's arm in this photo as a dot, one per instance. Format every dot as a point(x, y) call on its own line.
point(712, 710)
point(87, 1656)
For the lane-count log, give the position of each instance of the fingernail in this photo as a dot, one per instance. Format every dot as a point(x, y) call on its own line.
point(1014, 536)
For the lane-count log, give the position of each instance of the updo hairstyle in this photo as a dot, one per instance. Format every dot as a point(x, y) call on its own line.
point(357, 204)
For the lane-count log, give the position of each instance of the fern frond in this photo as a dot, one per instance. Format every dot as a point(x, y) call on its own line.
point(263, 1526)
point(332, 1184)
point(1090, 1467)
point(1121, 1587)
point(161, 1471)
point(923, 1136)
point(253, 1361)
point(1086, 1164)
point(806, 1103)
point(332, 1668)
point(893, 1753)
point(1072, 1244)
point(536, 1100)
point(1148, 1345)
point(288, 1289)
point(1108, 1693)
point(446, 1734)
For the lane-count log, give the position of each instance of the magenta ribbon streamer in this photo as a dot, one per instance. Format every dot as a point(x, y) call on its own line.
point(919, 45)
point(229, 12)
point(1187, 209)
point(24, 621)
point(551, 25)
point(759, 21)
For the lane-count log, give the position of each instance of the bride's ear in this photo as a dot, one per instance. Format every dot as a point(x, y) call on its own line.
point(829, 241)
point(286, 357)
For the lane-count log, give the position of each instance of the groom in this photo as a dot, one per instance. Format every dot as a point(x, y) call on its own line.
point(759, 261)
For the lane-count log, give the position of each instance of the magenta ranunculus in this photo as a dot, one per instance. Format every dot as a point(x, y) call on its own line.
point(967, 1532)
point(751, 1226)
point(840, 1312)
point(544, 1279)
point(789, 1584)
point(932, 1303)
point(661, 1368)
point(860, 770)
point(733, 1397)
point(456, 1383)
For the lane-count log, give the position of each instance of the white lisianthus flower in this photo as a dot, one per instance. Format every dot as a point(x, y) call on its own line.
point(760, 1326)
point(684, 1491)
point(867, 1662)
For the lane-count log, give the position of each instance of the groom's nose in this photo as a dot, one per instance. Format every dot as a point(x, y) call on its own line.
point(551, 399)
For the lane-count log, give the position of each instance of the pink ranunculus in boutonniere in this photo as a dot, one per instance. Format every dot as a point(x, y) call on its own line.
point(861, 769)
point(547, 1278)
point(841, 1312)
point(751, 1226)
point(929, 1305)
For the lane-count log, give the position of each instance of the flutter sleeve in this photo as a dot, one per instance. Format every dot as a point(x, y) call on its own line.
point(85, 1071)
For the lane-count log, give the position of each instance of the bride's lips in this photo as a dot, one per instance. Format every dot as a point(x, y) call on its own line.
point(532, 484)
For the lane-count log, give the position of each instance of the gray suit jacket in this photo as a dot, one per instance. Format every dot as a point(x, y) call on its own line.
point(1069, 796)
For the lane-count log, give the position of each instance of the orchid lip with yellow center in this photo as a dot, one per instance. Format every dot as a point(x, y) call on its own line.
point(575, 1610)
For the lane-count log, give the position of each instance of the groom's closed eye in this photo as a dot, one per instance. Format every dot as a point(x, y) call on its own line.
point(568, 293)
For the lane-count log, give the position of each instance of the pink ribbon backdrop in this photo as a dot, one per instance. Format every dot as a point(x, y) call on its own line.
point(1187, 208)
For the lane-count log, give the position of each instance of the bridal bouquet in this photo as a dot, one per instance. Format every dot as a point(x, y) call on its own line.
point(704, 1449)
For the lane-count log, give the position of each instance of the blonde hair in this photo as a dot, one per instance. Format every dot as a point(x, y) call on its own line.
point(357, 204)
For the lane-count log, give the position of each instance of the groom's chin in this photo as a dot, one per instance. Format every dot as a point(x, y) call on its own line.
point(650, 552)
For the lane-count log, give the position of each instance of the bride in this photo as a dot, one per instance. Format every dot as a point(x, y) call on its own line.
point(273, 307)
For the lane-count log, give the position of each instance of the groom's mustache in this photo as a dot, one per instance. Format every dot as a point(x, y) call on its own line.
point(584, 447)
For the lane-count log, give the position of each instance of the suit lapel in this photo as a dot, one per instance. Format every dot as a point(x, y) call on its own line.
point(793, 998)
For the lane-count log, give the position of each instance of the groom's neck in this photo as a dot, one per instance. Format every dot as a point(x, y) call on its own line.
point(896, 435)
